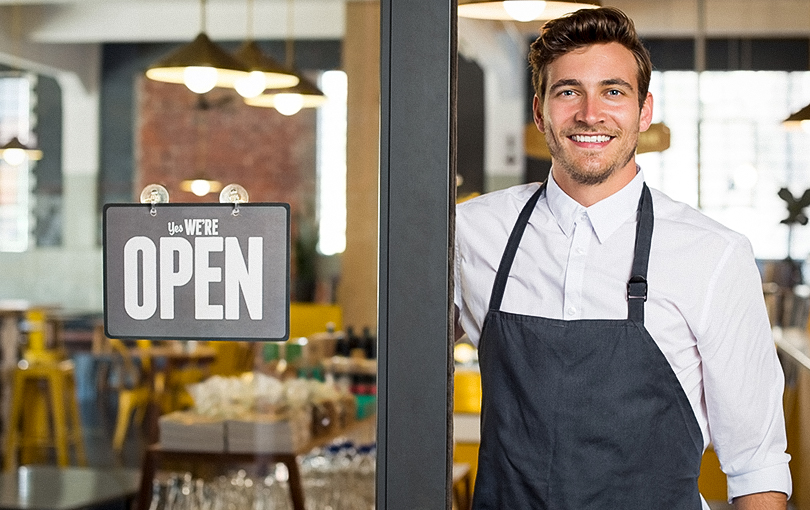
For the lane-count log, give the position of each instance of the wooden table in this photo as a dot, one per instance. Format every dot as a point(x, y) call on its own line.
point(53, 488)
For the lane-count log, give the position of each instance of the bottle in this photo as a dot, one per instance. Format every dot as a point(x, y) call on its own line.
point(369, 343)
point(157, 501)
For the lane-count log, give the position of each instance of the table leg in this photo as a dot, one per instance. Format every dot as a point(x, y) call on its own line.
point(147, 476)
point(9, 342)
point(296, 488)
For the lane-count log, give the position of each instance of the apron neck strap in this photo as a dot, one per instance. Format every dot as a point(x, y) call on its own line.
point(637, 285)
point(511, 249)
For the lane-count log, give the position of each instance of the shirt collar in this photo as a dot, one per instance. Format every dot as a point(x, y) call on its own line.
point(606, 216)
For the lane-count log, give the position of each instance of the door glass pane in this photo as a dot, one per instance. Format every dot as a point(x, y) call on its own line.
point(208, 423)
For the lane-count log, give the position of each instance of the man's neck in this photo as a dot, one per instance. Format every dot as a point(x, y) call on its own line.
point(589, 194)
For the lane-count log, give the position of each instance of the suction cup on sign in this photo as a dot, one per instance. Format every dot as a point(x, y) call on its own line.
point(154, 194)
point(233, 194)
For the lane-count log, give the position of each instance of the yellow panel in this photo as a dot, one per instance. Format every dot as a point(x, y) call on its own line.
point(309, 318)
point(467, 391)
point(712, 481)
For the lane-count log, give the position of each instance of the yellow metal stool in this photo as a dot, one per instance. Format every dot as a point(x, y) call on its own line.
point(41, 389)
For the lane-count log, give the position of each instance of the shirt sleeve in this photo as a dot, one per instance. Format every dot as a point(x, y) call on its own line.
point(743, 380)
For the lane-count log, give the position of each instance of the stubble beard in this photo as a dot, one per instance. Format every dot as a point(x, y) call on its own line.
point(589, 172)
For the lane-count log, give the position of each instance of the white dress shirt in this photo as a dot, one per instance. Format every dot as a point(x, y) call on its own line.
point(705, 307)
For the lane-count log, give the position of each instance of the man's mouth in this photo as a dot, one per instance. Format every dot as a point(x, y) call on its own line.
point(590, 138)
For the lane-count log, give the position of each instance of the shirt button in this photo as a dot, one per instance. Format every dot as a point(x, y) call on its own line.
point(580, 251)
point(572, 311)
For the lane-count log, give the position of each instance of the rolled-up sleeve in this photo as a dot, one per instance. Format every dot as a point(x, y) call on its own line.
point(743, 379)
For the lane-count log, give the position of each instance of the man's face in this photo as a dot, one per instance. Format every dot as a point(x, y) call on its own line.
point(590, 113)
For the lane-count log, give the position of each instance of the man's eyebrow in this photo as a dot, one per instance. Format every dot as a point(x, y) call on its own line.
point(617, 81)
point(569, 82)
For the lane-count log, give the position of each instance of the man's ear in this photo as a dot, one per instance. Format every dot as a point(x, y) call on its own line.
point(537, 109)
point(646, 113)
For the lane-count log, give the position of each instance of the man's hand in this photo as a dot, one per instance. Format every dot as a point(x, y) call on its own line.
point(761, 501)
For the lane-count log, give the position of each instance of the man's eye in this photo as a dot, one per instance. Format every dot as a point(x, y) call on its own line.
point(614, 92)
point(567, 93)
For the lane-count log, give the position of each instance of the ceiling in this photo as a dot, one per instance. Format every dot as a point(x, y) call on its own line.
point(53, 35)
point(94, 21)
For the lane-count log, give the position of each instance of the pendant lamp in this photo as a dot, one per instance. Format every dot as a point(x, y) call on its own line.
point(800, 119)
point(521, 10)
point(290, 100)
point(15, 152)
point(200, 185)
point(201, 65)
point(265, 72)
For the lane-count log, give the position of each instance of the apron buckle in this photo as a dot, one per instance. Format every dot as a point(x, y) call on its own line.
point(637, 288)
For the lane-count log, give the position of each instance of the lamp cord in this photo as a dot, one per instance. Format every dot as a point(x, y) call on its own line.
point(249, 20)
point(202, 16)
point(289, 48)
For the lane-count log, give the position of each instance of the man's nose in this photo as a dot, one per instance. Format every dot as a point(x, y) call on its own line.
point(590, 110)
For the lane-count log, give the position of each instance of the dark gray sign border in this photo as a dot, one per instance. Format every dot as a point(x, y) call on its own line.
point(201, 205)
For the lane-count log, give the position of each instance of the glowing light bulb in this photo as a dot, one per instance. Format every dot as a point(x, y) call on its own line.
point(14, 156)
point(251, 85)
point(805, 125)
point(199, 79)
point(200, 187)
point(288, 104)
point(524, 10)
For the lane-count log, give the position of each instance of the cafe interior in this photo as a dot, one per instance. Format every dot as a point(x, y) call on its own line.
point(100, 105)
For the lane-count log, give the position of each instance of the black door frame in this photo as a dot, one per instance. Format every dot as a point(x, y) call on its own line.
point(417, 203)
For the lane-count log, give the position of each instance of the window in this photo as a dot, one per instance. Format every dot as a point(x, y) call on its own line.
point(16, 182)
point(746, 155)
point(331, 201)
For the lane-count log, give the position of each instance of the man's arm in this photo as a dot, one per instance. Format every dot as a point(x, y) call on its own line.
point(761, 501)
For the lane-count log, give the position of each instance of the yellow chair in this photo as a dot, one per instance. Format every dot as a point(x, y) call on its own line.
point(310, 318)
point(170, 384)
point(134, 389)
point(42, 389)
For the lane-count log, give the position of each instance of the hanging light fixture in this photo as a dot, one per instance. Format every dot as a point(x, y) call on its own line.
point(265, 72)
point(200, 185)
point(290, 100)
point(200, 65)
point(800, 119)
point(15, 152)
point(521, 10)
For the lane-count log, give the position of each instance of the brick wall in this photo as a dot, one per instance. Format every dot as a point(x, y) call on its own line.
point(180, 135)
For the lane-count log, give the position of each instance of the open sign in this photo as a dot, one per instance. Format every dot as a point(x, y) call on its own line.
point(197, 271)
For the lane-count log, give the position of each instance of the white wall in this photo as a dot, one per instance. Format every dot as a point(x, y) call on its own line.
point(71, 275)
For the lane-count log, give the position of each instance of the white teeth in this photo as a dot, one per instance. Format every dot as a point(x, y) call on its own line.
point(590, 138)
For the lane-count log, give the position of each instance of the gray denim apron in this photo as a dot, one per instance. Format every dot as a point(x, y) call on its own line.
point(582, 414)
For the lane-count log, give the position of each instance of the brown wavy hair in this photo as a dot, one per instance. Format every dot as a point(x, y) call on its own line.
point(584, 28)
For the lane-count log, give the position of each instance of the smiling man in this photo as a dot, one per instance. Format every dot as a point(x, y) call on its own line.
point(619, 332)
